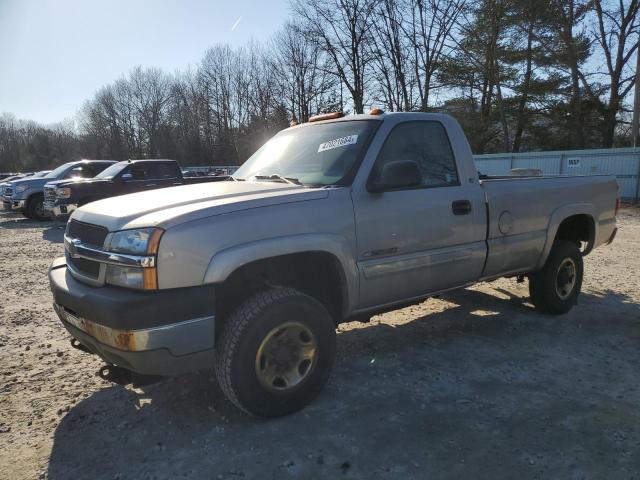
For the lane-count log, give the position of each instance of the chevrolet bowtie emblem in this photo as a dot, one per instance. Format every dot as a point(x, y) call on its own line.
point(73, 246)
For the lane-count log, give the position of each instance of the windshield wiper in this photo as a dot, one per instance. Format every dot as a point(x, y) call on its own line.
point(275, 176)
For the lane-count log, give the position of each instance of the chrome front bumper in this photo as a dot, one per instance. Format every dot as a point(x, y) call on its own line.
point(13, 205)
point(59, 210)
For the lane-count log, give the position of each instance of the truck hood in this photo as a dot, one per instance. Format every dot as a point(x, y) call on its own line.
point(30, 182)
point(166, 207)
point(76, 181)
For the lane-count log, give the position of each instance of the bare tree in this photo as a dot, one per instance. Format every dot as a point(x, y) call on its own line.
point(391, 48)
point(302, 72)
point(430, 32)
point(617, 38)
point(343, 29)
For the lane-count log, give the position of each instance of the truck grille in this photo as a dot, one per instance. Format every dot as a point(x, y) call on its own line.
point(84, 266)
point(50, 195)
point(87, 233)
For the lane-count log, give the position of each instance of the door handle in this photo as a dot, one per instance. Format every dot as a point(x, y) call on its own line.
point(461, 207)
point(151, 185)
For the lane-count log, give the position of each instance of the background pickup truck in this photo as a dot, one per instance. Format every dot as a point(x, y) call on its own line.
point(27, 195)
point(337, 219)
point(63, 197)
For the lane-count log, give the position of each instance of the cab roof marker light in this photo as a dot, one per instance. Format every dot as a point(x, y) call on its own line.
point(326, 116)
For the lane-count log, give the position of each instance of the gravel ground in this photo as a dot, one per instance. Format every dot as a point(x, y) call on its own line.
point(474, 384)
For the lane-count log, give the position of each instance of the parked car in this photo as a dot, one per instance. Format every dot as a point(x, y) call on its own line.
point(27, 195)
point(63, 197)
point(5, 176)
point(330, 221)
point(10, 179)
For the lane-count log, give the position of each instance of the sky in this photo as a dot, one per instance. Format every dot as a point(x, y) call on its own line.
point(55, 54)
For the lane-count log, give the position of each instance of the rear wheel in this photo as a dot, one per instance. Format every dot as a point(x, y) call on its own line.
point(275, 352)
point(555, 288)
point(35, 208)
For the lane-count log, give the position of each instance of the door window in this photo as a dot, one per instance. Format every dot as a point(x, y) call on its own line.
point(140, 172)
point(99, 167)
point(164, 171)
point(427, 144)
point(81, 171)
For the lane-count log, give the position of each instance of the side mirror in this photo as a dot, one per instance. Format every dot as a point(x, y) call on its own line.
point(126, 176)
point(398, 174)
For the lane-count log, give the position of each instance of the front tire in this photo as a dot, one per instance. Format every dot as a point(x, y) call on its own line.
point(555, 288)
point(35, 208)
point(275, 352)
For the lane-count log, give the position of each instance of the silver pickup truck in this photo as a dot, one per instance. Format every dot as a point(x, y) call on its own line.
point(333, 220)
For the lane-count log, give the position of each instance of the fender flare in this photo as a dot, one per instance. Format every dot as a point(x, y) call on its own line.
point(225, 262)
point(561, 214)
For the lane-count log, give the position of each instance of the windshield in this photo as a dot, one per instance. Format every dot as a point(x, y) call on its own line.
point(58, 171)
point(112, 171)
point(321, 154)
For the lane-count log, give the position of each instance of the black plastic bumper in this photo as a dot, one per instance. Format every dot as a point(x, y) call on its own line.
point(168, 332)
point(120, 308)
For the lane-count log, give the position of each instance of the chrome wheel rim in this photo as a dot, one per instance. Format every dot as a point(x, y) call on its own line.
point(565, 278)
point(286, 357)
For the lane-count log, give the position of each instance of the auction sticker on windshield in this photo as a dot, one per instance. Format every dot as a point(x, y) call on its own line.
point(338, 142)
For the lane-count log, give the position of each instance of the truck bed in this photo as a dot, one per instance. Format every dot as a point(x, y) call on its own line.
point(521, 212)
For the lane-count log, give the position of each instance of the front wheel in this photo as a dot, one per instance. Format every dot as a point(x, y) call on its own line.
point(275, 352)
point(35, 208)
point(555, 288)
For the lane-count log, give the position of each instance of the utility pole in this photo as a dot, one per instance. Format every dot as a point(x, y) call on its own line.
point(636, 115)
point(636, 101)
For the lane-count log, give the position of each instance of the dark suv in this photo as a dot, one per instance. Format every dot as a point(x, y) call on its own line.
point(63, 197)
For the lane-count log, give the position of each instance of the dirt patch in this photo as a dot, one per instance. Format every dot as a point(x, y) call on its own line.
point(475, 384)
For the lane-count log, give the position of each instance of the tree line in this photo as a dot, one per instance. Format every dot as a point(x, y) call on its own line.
point(518, 75)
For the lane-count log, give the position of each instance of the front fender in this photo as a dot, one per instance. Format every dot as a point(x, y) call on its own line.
point(28, 193)
point(227, 261)
point(558, 216)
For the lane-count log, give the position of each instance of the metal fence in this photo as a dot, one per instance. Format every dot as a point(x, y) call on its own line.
point(624, 163)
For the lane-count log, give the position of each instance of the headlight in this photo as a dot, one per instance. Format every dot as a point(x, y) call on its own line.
point(20, 188)
point(144, 242)
point(136, 242)
point(63, 192)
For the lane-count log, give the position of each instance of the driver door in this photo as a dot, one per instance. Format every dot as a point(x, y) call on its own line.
point(417, 240)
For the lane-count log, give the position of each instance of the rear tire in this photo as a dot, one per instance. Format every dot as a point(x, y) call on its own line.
point(275, 352)
point(35, 208)
point(555, 288)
